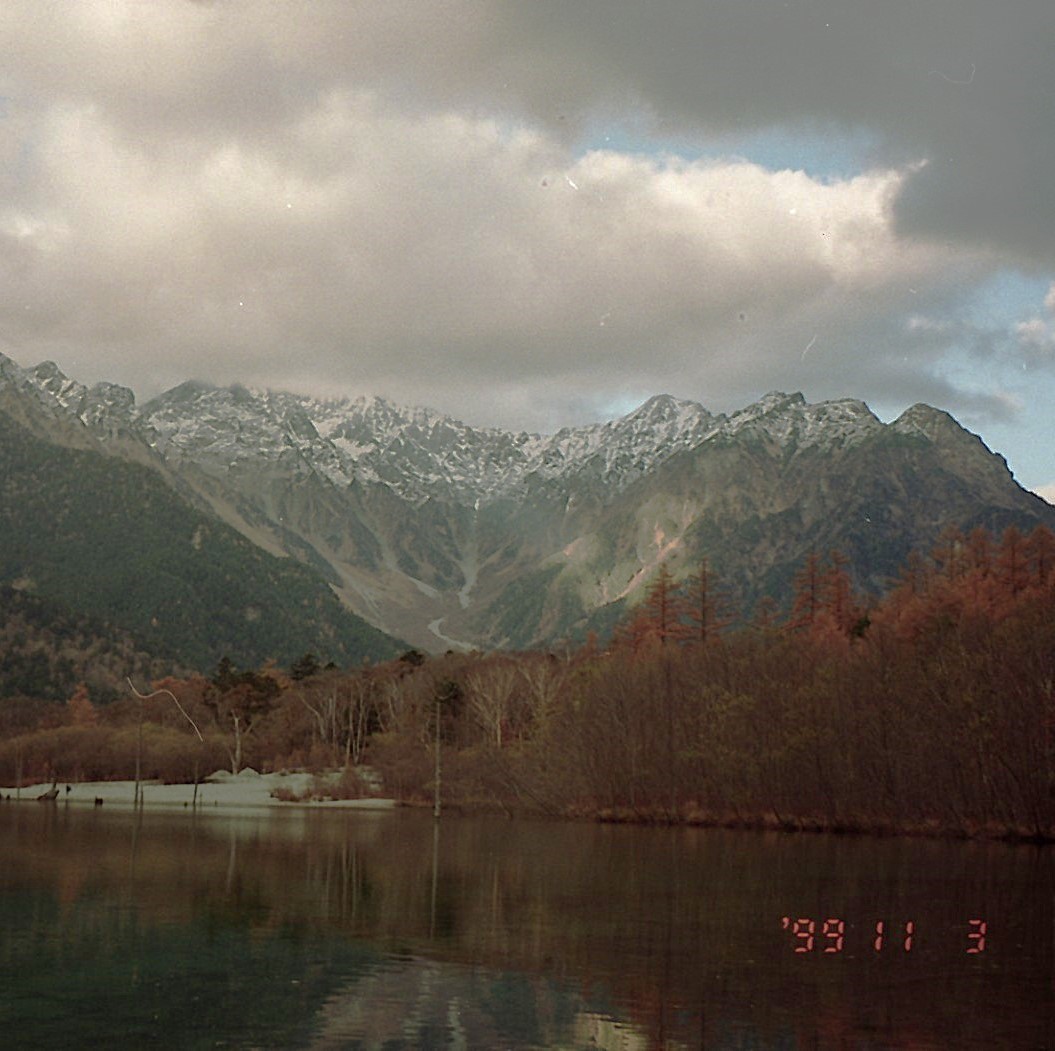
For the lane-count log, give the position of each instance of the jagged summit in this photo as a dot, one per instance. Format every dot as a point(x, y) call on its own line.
point(924, 420)
point(777, 399)
point(419, 452)
point(186, 391)
point(105, 408)
point(423, 454)
point(792, 422)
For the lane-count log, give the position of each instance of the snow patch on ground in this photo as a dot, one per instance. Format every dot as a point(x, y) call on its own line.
point(426, 589)
point(222, 789)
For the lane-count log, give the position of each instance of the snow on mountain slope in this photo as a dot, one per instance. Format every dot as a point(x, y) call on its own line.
point(423, 454)
point(417, 452)
point(791, 423)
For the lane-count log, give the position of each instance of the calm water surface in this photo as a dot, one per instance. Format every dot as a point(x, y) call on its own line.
point(303, 929)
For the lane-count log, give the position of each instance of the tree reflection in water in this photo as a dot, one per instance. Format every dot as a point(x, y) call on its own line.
point(321, 929)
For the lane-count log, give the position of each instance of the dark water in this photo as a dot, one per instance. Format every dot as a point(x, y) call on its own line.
point(307, 929)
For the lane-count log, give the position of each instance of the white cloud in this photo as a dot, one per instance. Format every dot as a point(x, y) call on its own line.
point(382, 198)
point(1035, 337)
point(1036, 334)
point(429, 254)
point(1049, 300)
point(1047, 492)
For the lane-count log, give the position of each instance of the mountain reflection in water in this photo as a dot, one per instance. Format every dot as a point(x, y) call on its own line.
point(330, 930)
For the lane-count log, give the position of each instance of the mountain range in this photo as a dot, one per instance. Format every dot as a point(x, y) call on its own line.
point(439, 534)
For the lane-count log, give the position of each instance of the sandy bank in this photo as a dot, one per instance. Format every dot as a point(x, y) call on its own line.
point(222, 789)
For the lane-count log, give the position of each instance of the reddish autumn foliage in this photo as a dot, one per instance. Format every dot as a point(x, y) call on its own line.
point(932, 709)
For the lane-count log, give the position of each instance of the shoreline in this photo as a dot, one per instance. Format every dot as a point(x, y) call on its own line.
point(250, 790)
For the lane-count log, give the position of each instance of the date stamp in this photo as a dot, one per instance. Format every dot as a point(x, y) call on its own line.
point(830, 936)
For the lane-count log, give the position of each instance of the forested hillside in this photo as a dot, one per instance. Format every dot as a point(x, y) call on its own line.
point(101, 537)
point(45, 652)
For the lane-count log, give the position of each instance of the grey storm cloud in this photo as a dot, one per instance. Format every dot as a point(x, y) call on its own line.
point(417, 199)
point(967, 85)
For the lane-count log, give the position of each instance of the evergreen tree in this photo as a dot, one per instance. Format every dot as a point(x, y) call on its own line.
point(707, 605)
point(304, 667)
point(809, 590)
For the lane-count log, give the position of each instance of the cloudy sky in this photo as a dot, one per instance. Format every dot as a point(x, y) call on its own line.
point(530, 213)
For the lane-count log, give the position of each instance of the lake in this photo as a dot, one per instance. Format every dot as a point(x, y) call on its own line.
point(308, 929)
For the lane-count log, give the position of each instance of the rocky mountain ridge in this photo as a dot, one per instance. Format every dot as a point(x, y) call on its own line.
point(446, 534)
point(423, 454)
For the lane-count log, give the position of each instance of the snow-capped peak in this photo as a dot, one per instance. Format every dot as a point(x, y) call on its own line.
point(794, 424)
point(417, 451)
point(421, 453)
